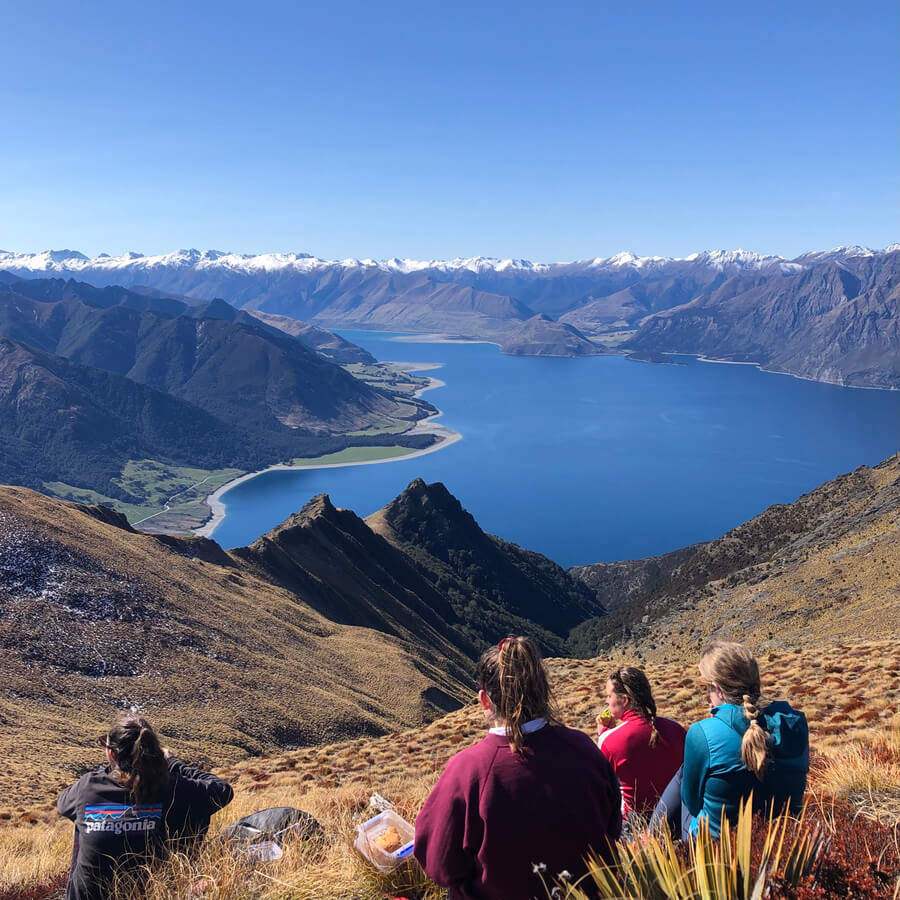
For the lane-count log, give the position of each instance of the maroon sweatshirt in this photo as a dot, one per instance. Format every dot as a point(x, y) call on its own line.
point(494, 814)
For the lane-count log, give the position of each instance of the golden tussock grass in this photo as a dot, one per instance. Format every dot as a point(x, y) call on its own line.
point(860, 764)
point(32, 857)
point(865, 773)
point(309, 870)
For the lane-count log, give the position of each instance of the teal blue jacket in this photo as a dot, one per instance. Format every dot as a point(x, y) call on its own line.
point(715, 778)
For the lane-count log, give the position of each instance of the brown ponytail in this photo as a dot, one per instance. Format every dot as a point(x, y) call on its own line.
point(140, 764)
point(631, 682)
point(514, 678)
point(734, 670)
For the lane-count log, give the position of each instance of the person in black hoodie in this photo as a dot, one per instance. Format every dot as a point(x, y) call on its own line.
point(134, 808)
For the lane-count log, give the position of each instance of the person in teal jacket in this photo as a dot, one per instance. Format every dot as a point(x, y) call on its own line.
point(745, 747)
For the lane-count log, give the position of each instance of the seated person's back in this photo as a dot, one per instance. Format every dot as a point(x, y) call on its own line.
point(529, 792)
point(645, 750)
point(716, 777)
point(745, 746)
point(121, 810)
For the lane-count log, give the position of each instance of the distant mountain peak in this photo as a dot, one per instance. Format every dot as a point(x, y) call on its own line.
point(852, 250)
point(625, 258)
point(837, 254)
point(217, 308)
point(739, 257)
point(63, 255)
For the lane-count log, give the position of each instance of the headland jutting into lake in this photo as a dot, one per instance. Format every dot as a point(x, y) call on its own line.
point(367, 456)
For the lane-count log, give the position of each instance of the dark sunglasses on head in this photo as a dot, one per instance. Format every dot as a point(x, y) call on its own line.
point(103, 741)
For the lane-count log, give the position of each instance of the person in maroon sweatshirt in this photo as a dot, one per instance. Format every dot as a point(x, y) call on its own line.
point(645, 750)
point(528, 802)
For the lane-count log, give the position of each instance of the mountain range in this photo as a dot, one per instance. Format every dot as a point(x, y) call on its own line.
point(828, 315)
point(92, 379)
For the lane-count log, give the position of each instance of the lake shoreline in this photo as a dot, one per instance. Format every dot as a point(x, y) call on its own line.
point(438, 338)
point(761, 367)
point(428, 425)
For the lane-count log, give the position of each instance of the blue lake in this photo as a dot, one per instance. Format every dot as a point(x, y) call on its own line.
point(597, 459)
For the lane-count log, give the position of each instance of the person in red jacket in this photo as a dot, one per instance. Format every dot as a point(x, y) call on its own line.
point(527, 802)
point(645, 750)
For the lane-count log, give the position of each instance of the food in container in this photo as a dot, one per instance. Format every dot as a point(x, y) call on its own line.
point(386, 840)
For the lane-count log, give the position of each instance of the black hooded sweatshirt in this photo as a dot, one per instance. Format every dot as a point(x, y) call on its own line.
point(114, 835)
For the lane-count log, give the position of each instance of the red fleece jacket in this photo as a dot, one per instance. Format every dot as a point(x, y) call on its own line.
point(494, 813)
point(643, 771)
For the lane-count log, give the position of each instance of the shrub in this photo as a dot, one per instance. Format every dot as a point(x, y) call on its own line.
point(826, 852)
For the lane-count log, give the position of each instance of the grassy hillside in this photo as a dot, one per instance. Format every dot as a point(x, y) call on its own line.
point(96, 616)
point(213, 646)
point(856, 766)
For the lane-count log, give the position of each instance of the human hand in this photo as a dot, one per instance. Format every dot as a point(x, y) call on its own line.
point(200, 887)
point(167, 752)
point(605, 721)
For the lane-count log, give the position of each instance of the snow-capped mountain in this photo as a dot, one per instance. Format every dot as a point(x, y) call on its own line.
point(72, 262)
point(484, 297)
point(841, 254)
point(396, 292)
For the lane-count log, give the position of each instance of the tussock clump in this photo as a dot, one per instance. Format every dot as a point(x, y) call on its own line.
point(825, 852)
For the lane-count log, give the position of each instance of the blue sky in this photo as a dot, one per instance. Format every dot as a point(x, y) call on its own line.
point(433, 129)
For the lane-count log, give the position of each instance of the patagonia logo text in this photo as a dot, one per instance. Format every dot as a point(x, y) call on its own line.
point(117, 818)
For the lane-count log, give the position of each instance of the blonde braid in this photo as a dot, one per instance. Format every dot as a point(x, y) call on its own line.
point(755, 743)
point(735, 671)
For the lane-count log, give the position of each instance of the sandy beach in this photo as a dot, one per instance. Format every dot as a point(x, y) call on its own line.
point(446, 437)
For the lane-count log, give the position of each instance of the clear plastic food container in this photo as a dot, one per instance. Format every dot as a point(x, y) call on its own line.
point(370, 830)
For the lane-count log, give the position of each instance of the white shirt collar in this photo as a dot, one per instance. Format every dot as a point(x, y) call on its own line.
point(527, 728)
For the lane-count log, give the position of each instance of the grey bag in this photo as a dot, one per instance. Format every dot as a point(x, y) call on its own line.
point(276, 824)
